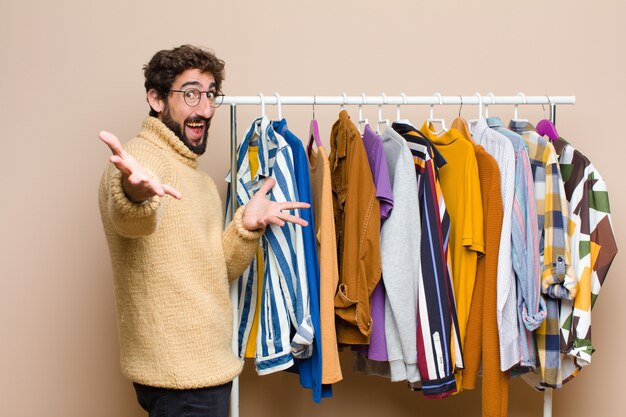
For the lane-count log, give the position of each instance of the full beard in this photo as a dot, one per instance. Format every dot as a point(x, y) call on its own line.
point(180, 132)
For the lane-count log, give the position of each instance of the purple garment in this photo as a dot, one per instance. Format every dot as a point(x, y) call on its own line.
point(380, 173)
point(377, 350)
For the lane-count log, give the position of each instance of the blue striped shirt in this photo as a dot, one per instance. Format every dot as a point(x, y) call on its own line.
point(285, 304)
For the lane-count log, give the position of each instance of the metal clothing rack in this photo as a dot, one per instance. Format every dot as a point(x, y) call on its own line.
point(363, 100)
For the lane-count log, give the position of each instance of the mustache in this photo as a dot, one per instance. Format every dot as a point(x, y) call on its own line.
point(198, 119)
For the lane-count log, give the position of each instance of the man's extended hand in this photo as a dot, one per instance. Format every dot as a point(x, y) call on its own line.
point(259, 211)
point(137, 184)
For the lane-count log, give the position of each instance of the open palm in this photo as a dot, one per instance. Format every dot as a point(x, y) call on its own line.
point(137, 184)
point(260, 211)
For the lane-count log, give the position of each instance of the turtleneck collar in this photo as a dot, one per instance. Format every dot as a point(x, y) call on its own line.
point(156, 132)
point(446, 138)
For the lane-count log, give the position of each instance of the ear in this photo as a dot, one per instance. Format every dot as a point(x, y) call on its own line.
point(156, 102)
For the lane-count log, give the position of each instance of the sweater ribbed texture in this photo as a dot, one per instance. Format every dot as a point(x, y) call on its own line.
point(482, 341)
point(172, 262)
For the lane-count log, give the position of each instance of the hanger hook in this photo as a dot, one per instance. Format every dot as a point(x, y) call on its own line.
point(314, 107)
point(432, 106)
point(480, 105)
point(552, 108)
point(431, 110)
point(398, 107)
point(364, 101)
point(515, 113)
point(262, 104)
point(280, 106)
point(549, 117)
point(493, 101)
point(461, 106)
point(345, 100)
point(440, 98)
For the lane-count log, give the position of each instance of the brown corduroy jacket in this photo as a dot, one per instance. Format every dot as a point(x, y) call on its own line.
point(357, 224)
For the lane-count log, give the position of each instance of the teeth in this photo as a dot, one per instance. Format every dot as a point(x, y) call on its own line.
point(195, 124)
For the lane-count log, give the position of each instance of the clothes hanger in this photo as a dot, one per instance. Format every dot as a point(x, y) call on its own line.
point(382, 121)
point(493, 101)
point(314, 133)
point(515, 112)
point(398, 118)
point(433, 120)
point(472, 123)
point(361, 119)
point(280, 107)
point(345, 100)
point(545, 127)
point(257, 126)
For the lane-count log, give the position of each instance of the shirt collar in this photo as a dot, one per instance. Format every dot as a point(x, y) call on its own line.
point(494, 122)
point(262, 132)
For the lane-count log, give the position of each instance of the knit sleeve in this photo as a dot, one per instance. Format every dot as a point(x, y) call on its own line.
point(239, 245)
point(129, 219)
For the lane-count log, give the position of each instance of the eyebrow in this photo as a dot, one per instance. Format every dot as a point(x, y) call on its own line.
point(197, 84)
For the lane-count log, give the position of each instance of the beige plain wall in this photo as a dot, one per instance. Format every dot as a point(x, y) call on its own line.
point(72, 68)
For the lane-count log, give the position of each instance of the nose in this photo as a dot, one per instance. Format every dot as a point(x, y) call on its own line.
point(204, 109)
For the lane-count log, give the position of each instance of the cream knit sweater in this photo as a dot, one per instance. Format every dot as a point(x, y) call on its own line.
point(172, 262)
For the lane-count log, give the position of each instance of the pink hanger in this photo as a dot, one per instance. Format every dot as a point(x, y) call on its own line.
point(314, 132)
point(546, 128)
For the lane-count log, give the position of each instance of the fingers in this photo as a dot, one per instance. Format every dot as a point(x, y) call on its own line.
point(112, 142)
point(172, 191)
point(121, 164)
point(290, 205)
point(159, 189)
point(293, 219)
point(267, 186)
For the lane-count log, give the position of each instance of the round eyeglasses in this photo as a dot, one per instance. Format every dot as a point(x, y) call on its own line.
point(192, 97)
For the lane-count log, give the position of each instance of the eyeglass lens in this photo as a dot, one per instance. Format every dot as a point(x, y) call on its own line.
point(193, 96)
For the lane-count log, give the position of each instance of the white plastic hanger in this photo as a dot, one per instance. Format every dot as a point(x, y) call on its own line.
point(280, 107)
point(493, 101)
point(382, 121)
point(433, 120)
point(398, 118)
point(362, 121)
point(515, 112)
point(345, 100)
point(472, 123)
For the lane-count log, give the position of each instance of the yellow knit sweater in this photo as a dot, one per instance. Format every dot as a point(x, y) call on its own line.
point(172, 261)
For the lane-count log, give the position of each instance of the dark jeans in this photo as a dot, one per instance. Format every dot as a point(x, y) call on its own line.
point(202, 402)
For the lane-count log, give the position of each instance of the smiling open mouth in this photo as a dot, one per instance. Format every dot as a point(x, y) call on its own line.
point(195, 124)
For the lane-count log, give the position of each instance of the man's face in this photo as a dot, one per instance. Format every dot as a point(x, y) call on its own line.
point(190, 124)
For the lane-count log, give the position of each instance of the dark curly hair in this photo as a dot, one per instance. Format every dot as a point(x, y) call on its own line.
point(166, 65)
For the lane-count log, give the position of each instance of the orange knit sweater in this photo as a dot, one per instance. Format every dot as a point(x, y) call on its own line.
point(482, 328)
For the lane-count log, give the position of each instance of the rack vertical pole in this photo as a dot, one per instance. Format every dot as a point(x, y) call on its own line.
point(234, 395)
